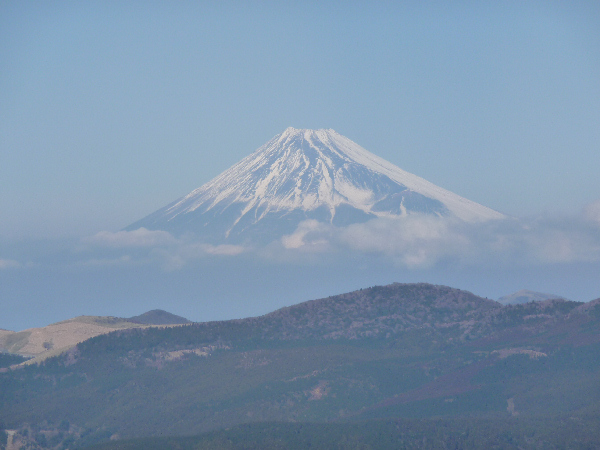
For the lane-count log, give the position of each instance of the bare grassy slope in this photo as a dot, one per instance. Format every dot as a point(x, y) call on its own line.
point(58, 337)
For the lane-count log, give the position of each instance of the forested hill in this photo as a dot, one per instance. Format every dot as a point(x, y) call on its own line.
point(378, 311)
point(411, 351)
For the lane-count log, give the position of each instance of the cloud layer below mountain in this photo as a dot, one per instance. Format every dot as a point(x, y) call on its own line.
point(415, 241)
point(421, 241)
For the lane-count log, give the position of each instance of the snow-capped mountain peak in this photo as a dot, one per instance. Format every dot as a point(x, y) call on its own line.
point(306, 174)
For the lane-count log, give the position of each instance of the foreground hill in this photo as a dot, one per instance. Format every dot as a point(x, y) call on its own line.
point(379, 311)
point(385, 434)
point(403, 352)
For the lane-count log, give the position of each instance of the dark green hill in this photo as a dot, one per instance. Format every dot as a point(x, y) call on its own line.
point(403, 351)
point(378, 311)
point(9, 359)
point(390, 434)
point(158, 317)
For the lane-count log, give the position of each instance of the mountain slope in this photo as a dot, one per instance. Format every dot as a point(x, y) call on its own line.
point(58, 337)
point(306, 174)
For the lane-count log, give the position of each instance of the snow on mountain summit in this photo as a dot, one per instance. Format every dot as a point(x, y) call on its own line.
point(305, 174)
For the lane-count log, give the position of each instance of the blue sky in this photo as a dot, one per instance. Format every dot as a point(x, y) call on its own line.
point(110, 110)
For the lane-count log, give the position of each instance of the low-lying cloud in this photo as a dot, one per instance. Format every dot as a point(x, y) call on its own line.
point(592, 212)
point(144, 246)
point(9, 264)
point(421, 241)
point(186, 250)
point(137, 238)
point(310, 236)
point(416, 241)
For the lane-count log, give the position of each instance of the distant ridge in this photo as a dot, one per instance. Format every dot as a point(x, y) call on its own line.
point(526, 296)
point(158, 317)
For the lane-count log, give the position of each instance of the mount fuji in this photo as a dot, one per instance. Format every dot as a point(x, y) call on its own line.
point(304, 174)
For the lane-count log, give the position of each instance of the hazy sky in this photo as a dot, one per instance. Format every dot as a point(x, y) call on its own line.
point(110, 110)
